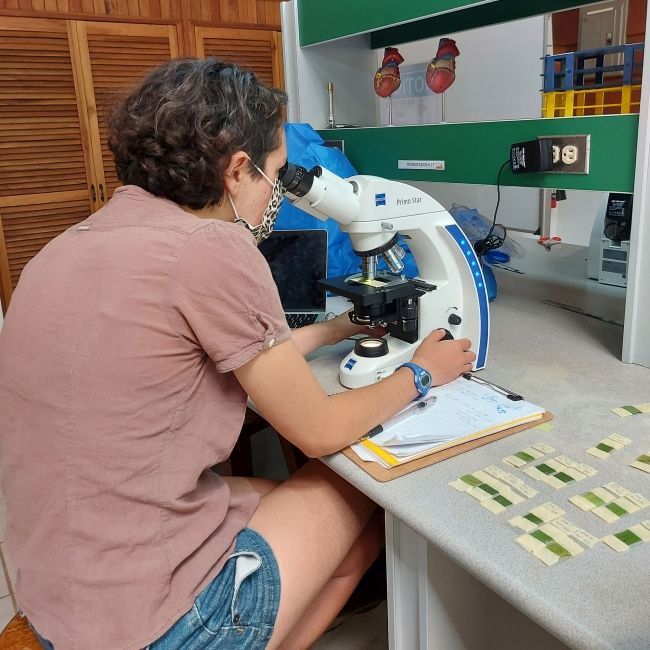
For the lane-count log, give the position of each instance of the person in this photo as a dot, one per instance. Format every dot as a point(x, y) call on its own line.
point(132, 343)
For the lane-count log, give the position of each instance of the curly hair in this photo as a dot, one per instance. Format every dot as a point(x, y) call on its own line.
point(175, 133)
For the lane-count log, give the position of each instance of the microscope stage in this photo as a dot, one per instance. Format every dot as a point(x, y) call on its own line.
point(383, 289)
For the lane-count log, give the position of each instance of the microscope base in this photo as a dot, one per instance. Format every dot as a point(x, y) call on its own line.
point(356, 371)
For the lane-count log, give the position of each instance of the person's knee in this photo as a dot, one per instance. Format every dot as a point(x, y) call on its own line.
point(316, 473)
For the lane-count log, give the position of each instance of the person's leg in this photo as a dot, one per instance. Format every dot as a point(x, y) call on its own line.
point(322, 611)
point(313, 521)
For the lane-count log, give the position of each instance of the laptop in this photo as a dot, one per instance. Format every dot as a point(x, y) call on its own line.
point(298, 259)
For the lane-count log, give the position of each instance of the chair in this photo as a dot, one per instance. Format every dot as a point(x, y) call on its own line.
point(17, 635)
point(241, 458)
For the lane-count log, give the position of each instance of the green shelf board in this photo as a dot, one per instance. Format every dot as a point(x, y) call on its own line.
point(500, 11)
point(325, 21)
point(474, 151)
point(392, 23)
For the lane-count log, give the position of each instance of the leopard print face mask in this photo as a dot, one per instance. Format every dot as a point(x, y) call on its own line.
point(263, 230)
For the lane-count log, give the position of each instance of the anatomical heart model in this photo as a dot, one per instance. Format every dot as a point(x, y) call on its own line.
point(441, 72)
point(387, 79)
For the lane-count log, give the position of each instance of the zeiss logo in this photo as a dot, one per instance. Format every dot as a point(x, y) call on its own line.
point(350, 363)
point(380, 199)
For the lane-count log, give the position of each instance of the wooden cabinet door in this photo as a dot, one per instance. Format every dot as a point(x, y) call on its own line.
point(58, 80)
point(113, 57)
point(45, 155)
point(254, 49)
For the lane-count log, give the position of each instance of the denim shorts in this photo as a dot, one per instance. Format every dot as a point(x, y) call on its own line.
point(237, 609)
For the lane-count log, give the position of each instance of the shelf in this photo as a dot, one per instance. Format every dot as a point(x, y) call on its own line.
point(392, 23)
point(474, 151)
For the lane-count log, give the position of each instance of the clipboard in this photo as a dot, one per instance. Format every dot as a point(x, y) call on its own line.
point(383, 474)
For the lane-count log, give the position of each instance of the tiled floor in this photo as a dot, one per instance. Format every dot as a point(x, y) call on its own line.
point(366, 631)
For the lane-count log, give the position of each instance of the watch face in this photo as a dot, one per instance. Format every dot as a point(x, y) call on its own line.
point(425, 380)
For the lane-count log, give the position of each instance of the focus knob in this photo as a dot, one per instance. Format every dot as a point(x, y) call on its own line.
point(454, 319)
point(448, 335)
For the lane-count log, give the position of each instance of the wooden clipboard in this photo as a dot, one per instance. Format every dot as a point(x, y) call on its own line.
point(383, 474)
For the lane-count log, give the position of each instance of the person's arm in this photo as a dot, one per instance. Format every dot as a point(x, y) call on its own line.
point(285, 391)
point(329, 332)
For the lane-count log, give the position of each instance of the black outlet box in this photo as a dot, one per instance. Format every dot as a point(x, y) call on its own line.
point(531, 156)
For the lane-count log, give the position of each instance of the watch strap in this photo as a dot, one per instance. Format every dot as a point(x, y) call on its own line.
point(421, 377)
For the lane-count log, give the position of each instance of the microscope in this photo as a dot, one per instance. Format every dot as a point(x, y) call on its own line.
point(450, 292)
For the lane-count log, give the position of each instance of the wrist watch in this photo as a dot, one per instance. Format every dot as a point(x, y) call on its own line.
point(422, 378)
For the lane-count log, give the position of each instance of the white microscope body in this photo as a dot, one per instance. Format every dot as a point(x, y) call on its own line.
point(451, 289)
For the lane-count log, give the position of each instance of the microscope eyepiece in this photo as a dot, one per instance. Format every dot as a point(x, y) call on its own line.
point(297, 179)
point(320, 193)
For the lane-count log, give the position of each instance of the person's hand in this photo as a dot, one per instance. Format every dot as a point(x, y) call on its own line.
point(445, 360)
point(341, 327)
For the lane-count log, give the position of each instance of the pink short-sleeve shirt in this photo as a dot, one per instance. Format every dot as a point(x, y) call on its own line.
point(117, 396)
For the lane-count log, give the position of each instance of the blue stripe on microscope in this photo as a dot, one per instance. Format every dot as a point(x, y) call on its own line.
point(481, 291)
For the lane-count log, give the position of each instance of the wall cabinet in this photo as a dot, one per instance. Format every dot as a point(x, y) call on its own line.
point(257, 49)
point(393, 23)
point(111, 58)
point(62, 65)
point(57, 79)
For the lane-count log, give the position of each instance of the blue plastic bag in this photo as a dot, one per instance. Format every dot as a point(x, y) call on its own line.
point(476, 226)
point(305, 147)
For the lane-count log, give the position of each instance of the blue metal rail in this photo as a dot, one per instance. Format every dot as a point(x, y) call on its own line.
point(575, 66)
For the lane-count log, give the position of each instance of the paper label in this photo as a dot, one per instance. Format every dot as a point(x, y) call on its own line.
point(436, 165)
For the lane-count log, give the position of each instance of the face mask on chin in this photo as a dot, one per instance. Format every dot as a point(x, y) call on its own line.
point(263, 230)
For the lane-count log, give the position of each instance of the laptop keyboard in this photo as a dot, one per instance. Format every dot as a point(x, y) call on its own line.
point(300, 320)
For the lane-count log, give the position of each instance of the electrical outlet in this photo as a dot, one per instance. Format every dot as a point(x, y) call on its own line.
point(570, 153)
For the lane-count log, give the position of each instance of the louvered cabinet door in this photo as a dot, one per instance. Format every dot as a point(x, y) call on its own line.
point(45, 173)
point(28, 224)
point(114, 57)
point(254, 49)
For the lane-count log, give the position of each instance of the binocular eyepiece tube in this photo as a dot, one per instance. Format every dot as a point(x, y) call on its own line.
point(325, 194)
point(297, 179)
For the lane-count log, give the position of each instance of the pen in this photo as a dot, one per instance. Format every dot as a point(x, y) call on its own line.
point(495, 387)
point(414, 409)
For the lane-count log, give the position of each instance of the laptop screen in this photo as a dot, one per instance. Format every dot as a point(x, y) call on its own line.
point(298, 258)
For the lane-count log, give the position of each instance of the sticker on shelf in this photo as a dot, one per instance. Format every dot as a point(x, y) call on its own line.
point(436, 165)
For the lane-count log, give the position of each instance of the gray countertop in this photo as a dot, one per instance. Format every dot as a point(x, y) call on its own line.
point(568, 363)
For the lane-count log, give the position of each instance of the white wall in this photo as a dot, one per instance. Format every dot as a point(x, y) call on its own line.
point(636, 343)
point(518, 209)
point(574, 218)
point(348, 63)
point(497, 72)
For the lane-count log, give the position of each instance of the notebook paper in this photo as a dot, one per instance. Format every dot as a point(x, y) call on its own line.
point(464, 410)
